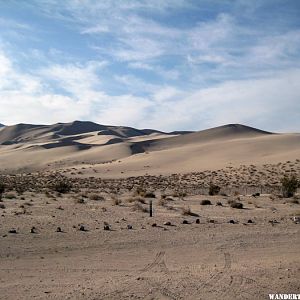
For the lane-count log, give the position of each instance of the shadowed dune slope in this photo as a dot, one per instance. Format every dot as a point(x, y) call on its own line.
point(32, 133)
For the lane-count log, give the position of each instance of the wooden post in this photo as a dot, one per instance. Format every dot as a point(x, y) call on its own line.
point(150, 208)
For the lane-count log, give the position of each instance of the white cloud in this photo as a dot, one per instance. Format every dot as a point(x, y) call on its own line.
point(96, 29)
point(269, 103)
point(74, 78)
point(165, 73)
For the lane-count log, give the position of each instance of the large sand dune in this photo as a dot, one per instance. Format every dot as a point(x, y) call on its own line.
point(134, 152)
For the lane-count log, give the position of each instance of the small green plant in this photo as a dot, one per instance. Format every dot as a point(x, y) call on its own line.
point(214, 189)
point(289, 186)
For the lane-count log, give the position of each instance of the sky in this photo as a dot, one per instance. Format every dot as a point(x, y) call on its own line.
point(163, 64)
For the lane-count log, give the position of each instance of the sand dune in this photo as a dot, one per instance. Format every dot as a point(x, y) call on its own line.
point(134, 152)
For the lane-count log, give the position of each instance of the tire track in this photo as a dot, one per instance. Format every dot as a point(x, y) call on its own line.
point(130, 284)
point(158, 261)
point(214, 279)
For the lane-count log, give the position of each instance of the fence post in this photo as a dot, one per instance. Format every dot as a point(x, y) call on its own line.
point(150, 208)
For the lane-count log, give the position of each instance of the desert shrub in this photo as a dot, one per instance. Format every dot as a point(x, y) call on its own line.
point(289, 186)
point(214, 189)
point(162, 202)
point(62, 186)
point(141, 200)
point(139, 207)
point(20, 188)
point(116, 201)
point(80, 201)
point(256, 205)
point(294, 201)
point(186, 211)
point(150, 195)
point(238, 205)
point(219, 203)
point(256, 195)
point(229, 201)
point(131, 199)
point(96, 197)
point(2, 206)
point(205, 202)
point(2, 188)
point(136, 199)
point(140, 191)
point(179, 194)
point(182, 194)
point(48, 194)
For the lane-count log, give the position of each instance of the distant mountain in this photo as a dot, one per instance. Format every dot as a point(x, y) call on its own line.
point(1, 125)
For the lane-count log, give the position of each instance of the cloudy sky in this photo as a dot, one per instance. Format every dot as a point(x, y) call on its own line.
point(164, 64)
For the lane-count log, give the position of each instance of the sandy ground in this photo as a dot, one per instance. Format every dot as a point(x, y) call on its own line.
point(209, 260)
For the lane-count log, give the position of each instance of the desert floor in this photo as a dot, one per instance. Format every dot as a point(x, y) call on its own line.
point(211, 260)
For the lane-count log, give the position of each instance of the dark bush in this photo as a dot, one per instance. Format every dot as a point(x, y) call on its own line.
point(289, 186)
point(214, 189)
point(62, 186)
point(256, 195)
point(150, 195)
point(2, 188)
point(238, 205)
point(205, 202)
point(293, 201)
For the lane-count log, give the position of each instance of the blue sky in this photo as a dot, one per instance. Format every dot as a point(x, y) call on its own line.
point(164, 64)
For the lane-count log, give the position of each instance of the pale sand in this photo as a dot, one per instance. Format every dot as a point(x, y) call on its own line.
point(183, 261)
